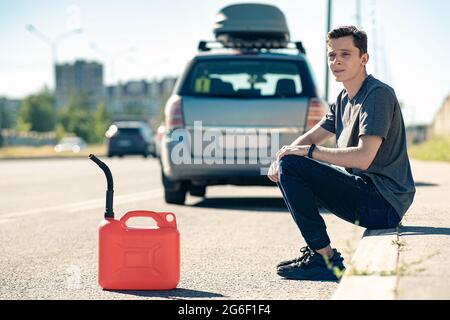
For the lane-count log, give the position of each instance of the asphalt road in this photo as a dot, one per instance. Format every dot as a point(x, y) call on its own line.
point(231, 241)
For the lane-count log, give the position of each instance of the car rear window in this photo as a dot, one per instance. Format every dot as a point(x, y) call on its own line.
point(129, 131)
point(245, 78)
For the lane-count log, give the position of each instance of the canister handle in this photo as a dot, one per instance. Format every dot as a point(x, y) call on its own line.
point(161, 218)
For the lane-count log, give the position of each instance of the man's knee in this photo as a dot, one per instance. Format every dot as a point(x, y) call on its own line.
point(291, 165)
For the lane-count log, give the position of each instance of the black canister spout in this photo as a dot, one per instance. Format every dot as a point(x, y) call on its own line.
point(109, 213)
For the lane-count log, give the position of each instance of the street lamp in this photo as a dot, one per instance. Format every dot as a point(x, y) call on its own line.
point(112, 58)
point(53, 43)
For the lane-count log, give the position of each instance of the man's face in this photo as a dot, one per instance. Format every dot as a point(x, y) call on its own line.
point(344, 60)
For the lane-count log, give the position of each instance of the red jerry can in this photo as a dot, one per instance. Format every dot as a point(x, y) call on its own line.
point(139, 259)
point(131, 258)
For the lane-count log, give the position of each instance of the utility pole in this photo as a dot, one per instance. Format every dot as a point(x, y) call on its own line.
point(327, 71)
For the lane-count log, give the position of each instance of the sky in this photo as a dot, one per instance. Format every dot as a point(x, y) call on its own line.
point(138, 39)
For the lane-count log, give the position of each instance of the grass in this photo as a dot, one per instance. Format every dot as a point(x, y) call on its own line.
point(436, 149)
point(48, 151)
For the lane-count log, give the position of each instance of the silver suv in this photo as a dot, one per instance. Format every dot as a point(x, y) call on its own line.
point(235, 106)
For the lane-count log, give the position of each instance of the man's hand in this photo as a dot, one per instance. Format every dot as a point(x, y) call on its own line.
point(273, 172)
point(285, 150)
point(295, 150)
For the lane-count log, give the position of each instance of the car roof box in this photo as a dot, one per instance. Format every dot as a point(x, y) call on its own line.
point(251, 25)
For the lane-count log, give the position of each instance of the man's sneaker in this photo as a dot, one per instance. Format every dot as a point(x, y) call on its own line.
point(305, 251)
point(314, 267)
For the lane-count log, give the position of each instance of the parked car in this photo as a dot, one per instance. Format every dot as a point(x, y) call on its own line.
point(256, 80)
point(73, 144)
point(130, 138)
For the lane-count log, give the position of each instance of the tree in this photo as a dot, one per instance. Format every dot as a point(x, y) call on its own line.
point(6, 118)
point(36, 112)
point(101, 122)
point(77, 118)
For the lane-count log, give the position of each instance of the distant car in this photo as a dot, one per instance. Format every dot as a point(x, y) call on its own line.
point(74, 144)
point(257, 81)
point(130, 138)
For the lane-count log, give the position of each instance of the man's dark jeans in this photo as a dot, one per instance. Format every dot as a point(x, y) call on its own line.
point(305, 183)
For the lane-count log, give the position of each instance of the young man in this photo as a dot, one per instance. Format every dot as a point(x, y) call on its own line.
point(377, 186)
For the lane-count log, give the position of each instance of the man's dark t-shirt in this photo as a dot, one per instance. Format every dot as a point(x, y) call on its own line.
point(375, 110)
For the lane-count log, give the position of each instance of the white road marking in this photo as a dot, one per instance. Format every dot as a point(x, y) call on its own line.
point(86, 205)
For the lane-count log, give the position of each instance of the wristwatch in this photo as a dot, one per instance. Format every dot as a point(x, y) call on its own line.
point(310, 151)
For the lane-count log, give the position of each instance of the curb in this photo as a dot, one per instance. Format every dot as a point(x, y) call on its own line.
point(373, 271)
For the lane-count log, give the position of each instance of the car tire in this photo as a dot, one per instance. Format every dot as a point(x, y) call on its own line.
point(174, 192)
point(197, 191)
point(175, 197)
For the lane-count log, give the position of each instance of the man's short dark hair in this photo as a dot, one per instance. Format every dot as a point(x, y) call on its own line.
point(359, 36)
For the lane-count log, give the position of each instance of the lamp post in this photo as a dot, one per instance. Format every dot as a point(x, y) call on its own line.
point(112, 58)
point(52, 43)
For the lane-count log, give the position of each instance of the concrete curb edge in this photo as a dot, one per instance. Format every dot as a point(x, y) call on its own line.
point(373, 271)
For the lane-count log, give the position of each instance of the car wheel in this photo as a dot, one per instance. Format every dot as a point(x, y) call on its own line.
point(175, 197)
point(197, 191)
point(174, 192)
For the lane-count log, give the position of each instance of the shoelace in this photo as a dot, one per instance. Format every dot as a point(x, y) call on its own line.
point(307, 253)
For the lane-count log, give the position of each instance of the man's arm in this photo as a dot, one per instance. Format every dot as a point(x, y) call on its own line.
point(316, 135)
point(360, 157)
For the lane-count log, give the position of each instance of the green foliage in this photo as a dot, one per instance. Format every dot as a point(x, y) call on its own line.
point(74, 118)
point(36, 113)
point(5, 118)
point(22, 126)
point(78, 119)
point(60, 132)
point(436, 149)
point(101, 122)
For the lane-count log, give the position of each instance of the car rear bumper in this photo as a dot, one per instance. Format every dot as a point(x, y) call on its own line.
point(209, 172)
point(127, 150)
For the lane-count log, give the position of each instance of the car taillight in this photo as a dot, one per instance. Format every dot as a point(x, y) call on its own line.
point(316, 110)
point(174, 113)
